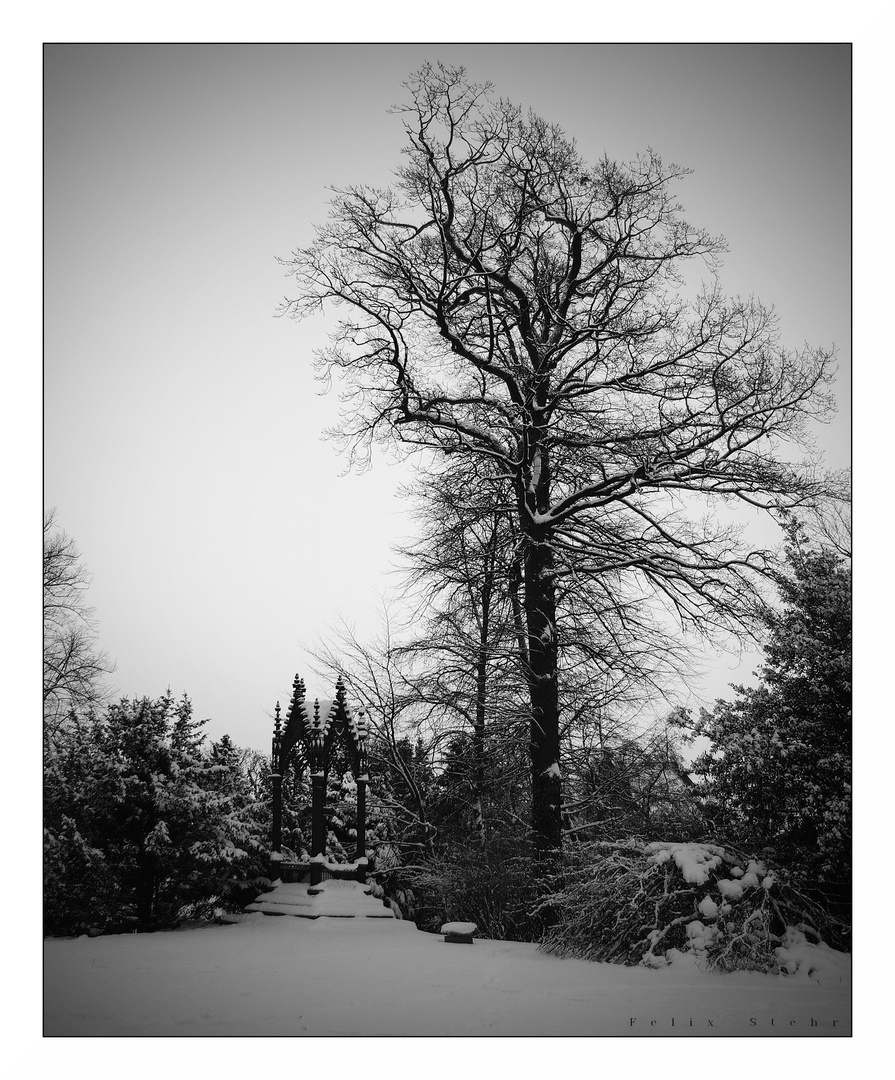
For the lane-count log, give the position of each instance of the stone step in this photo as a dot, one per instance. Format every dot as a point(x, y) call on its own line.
point(332, 899)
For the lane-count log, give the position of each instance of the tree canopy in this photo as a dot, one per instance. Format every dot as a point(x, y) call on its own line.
point(508, 303)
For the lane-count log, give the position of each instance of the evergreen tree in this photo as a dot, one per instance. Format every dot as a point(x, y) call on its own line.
point(144, 824)
point(778, 773)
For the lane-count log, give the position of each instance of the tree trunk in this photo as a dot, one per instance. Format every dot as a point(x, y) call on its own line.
point(481, 697)
point(146, 890)
point(540, 613)
point(543, 664)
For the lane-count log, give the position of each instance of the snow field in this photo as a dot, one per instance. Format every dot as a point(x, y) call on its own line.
point(382, 977)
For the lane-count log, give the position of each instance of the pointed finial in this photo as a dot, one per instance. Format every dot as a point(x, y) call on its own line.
point(316, 727)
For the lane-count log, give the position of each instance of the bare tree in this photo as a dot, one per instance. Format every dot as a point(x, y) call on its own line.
point(507, 301)
point(829, 520)
point(627, 782)
point(466, 638)
point(380, 681)
point(73, 667)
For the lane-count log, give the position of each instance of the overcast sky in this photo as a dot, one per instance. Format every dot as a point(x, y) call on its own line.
point(183, 426)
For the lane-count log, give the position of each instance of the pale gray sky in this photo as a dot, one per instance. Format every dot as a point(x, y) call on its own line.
point(183, 447)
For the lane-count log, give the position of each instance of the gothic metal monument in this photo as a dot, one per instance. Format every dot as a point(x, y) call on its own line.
point(312, 731)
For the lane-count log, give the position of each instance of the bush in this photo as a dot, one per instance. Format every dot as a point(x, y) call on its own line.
point(496, 887)
point(651, 904)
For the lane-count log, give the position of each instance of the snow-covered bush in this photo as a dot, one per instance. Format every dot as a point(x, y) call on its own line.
point(657, 903)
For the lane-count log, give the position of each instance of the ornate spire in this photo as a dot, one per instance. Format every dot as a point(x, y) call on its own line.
point(317, 723)
point(276, 742)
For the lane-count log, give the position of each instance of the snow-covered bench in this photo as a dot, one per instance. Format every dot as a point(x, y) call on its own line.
point(459, 932)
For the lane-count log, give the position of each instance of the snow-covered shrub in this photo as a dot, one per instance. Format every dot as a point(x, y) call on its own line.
point(652, 904)
point(800, 957)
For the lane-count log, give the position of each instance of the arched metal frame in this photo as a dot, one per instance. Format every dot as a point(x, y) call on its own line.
point(315, 733)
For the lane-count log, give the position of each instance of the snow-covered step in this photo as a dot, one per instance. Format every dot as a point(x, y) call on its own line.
point(332, 899)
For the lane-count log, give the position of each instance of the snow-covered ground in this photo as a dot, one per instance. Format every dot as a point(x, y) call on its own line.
point(374, 976)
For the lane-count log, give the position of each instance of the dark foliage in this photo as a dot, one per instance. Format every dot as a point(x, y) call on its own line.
point(778, 774)
point(144, 824)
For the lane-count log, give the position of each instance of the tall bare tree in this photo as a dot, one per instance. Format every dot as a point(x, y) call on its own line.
point(73, 666)
point(506, 300)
